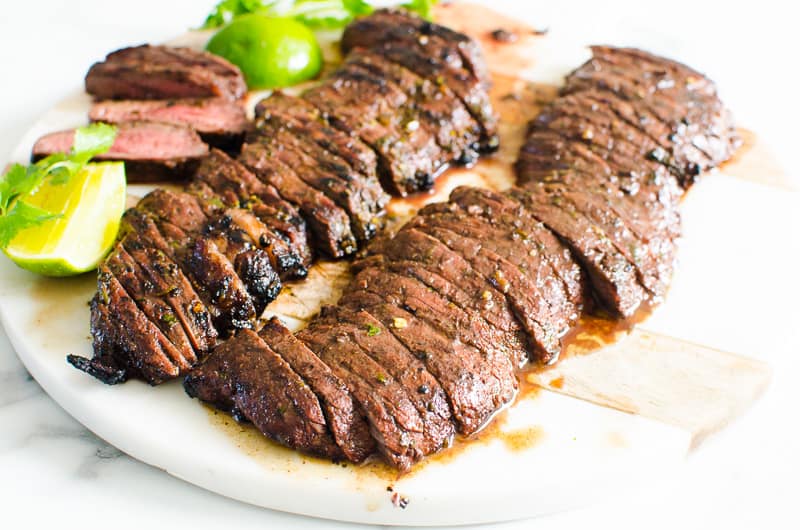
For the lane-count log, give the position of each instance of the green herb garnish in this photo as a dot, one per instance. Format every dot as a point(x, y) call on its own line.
point(20, 181)
point(317, 14)
point(372, 330)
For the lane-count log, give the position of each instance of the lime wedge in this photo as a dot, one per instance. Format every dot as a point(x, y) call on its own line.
point(91, 204)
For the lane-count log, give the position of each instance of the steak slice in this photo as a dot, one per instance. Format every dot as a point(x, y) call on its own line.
point(306, 120)
point(441, 55)
point(164, 72)
point(506, 213)
point(345, 420)
point(149, 298)
point(420, 386)
point(408, 158)
point(436, 107)
point(328, 224)
point(223, 179)
point(246, 378)
point(683, 99)
point(646, 195)
point(329, 174)
point(394, 421)
point(477, 389)
point(518, 266)
point(212, 275)
point(168, 278)
point(427, 64)
point(425, 258)
point(151, 151)
point(400, 25)
point(527, 299)
point(218, 121)
point(612, 277)
point(126, 343)
point(231, 232)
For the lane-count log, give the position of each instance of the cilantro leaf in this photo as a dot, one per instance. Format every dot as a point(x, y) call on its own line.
point(423, 8)
point(20, 181)
point(316, 14)
point(21, 216)
point(91, 141)
point(225, 11)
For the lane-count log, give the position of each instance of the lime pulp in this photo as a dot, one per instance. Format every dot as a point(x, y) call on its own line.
point(91, 205)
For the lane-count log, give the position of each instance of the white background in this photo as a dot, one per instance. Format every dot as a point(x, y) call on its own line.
point(54, 472)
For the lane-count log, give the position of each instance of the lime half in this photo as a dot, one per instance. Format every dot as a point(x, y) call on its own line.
point(271, 52)
point(91, 204)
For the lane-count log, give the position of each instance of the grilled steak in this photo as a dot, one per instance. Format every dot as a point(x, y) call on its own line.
point(344, 418)
point(151, 151)
point(427, 337)
point(224, 180)
point(329, 225)
point(306, 121)
point(247, 379)
point(218, 121)
point(164, 72)
point(363, 201)
point(434, 52)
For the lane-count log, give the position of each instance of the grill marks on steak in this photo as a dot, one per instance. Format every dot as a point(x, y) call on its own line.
point(151, 151)
point(682, 99)
point(408, 158)
point(460, 296)
point(250, 381)
point(324, 171)
point(328, 225)
point(164, 72)
point(307, 181)
point(604, 166)
point(433, 52)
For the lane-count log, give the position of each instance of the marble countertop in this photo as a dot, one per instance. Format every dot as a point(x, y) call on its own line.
point(53, 471)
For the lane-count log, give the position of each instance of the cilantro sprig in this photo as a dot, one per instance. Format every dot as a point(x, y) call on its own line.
point(20, 181)
point(317, 14)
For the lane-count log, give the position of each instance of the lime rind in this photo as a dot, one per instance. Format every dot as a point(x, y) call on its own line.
point(91, 206)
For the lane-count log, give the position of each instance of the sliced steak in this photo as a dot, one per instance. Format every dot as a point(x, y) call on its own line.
point(342, 415)
point(223, 179)
point(164, 72)
point(329, 174)
point(425, 258)
point(306, 120)
point(234, 233)
point(168, 278)
point(394, 421)
point(151, 151)
point(150, 299)
point(400, 25)
point(477, 389)
point(328, 224)
point(611, 275)
point(436, 107)
point(441, 55)
point(517, 266)
point(408, 158)
point(525, 297)
point(246, 378)
point(212, 275)
point(126, 343)
point(420, 386)
point(218, 121)
point(506, 213)
point(683, 99)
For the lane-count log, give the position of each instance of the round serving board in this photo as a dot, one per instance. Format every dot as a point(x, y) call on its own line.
point(605, 422)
